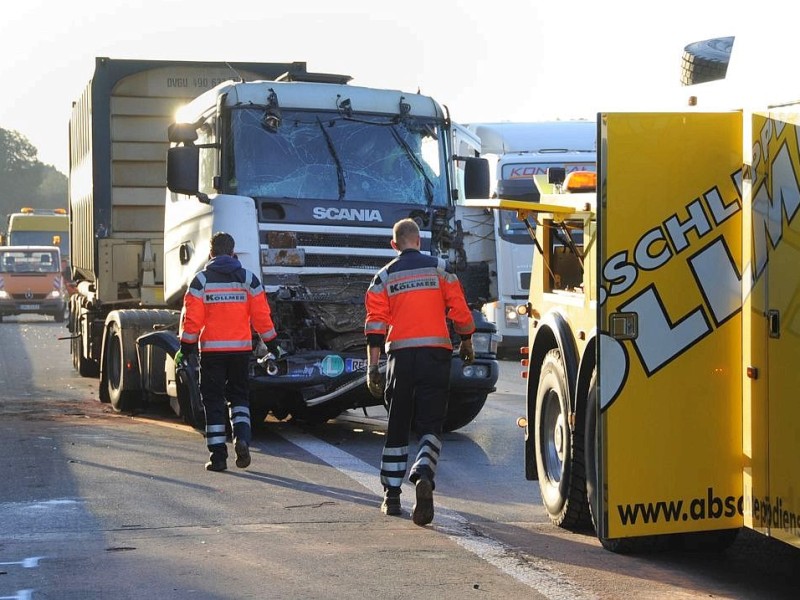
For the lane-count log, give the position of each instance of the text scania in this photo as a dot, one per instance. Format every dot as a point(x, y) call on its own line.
point(365, 215)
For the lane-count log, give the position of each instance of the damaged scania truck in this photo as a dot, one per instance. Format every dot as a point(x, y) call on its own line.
point(307, 172)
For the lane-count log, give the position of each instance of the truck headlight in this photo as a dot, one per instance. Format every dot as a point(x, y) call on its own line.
point(55, 294)
point(512, 317)
point(476, 371)
point(4, 295)
point(484, 343)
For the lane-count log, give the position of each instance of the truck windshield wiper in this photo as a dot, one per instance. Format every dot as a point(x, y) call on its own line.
point(335, 156)
point(415, 161)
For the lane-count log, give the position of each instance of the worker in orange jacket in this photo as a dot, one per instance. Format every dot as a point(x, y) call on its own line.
point(222, 305)
point(408, 304)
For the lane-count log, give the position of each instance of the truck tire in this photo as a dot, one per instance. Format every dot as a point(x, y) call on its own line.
point(115, 356)
point(591, 453)
point(706, 60)
point(85, 367)
point(464, 411)
point(559, 450)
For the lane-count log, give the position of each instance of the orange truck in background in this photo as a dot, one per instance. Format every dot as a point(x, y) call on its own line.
point(31, 281)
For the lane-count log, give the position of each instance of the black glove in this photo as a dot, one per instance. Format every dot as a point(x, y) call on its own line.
point(466, 352)
point(376, 381)
point(275, 349)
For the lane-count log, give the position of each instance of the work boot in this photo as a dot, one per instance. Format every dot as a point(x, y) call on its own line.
point(242, 453)
point(217, 462)
point(422, 513)
point(391, 503)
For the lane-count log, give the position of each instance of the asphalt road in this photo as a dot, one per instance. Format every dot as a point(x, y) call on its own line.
point(94, 504)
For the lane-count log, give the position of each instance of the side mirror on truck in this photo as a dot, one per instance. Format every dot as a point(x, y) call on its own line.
point(183, 170)
point(476, 178)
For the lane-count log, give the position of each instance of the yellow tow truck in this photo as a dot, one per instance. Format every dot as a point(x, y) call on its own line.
point(664, 334)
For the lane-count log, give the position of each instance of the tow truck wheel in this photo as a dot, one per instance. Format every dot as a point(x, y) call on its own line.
point(590, 451)
point(122, 400)
point(559, 451)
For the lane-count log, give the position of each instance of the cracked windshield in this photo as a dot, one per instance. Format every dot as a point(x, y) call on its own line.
point(371, 158)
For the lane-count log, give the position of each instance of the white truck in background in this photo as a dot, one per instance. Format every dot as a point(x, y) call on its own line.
point(517, 152)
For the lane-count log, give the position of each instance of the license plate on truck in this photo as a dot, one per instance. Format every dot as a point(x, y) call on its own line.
point(355, 364)
point(29, 307)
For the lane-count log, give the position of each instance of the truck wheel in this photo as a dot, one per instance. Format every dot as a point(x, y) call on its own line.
point(559, 451)
point(84, 366)
point(464, 411)
point(590, 451)
point(706, 60)
point(121, 400)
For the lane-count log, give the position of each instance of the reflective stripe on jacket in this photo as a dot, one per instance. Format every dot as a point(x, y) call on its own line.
point(223, 304)
point(409, 299)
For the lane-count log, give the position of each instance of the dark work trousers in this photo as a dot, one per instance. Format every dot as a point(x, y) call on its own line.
point(417, 386)
point(224, 389)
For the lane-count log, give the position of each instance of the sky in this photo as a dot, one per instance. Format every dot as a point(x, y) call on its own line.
point(488, 61)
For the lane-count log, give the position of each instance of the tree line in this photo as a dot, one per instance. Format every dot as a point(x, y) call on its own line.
point(24, 180)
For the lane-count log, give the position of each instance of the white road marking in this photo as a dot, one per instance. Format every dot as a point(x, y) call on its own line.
point(529, 571)
point(25, 563)
point(21, 595)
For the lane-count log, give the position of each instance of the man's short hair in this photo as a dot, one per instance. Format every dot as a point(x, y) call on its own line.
point(405, 232)
point(222, 244)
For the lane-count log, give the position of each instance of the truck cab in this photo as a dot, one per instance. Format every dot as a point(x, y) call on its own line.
point(309, 177)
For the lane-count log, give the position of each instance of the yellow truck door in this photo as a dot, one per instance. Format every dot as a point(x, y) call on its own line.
point(669, 316)
point(771, 320)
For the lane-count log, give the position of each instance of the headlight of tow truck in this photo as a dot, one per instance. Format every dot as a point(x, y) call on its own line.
point(484, 342)
point(55, 294)
point(4, 295)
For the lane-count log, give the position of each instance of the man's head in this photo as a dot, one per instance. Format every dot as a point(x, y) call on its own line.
point(222, 244)
point(405, 235)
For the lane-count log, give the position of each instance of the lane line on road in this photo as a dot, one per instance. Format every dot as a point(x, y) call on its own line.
point(530, 571)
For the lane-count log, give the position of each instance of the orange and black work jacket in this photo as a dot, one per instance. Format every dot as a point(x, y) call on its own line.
point(221, 303)
point(408, 301)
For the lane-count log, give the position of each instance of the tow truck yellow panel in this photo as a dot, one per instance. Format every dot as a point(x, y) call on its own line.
point(772, 330)
point(670, 359)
